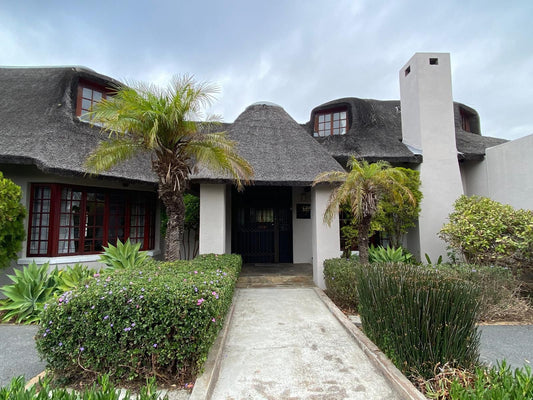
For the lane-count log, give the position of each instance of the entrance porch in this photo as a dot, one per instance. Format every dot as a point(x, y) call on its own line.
point(276, 275)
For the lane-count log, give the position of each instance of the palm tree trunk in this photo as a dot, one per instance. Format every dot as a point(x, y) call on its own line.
point(362, 241)
point(176, 218)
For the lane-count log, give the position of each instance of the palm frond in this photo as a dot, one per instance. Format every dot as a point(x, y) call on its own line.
point(110, 153)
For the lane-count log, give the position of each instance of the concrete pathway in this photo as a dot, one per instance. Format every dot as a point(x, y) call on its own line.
point(514, 343)
point(18, 353)
point(284, 343)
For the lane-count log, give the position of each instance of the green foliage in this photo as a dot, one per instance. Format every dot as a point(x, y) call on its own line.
point(123, 256)
point(419, 317)
point(486, 232)
point(104, 390)
point(496, 383)
point(159, 319)
point(72, 277)
point(12, 215)
point(395, 217)
point(362, 188)
point(499, 289)
point(381, 254)
point(339, 275)
point(31, 289)
point(428, 259)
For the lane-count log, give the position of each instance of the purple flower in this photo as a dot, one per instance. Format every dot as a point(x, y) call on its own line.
point(111, 325)
point(106, 317)
point(96, 275)
point(155, 345)
point(200, 301)
point(142, 289)
point(127, 329)
point(82, 348)
point(92, 307)
point(60, 344)
point(195, 272)
point(214, 320)
point(141, 297)
point(133, 324)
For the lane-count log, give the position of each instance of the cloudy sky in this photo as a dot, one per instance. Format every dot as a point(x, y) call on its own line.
point(296, 53)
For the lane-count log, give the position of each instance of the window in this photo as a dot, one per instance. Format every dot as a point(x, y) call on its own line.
point(331, 122)
point(88, 95)
point(466, 120)
point(68, 220)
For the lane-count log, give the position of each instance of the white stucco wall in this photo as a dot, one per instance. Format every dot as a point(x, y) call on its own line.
point(25, 175)
point(301, 228)
point(325, 239)
point(428, 125)
point(506, 174)
point(213, 223)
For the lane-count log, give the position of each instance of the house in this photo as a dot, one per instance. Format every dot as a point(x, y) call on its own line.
point(46, 137)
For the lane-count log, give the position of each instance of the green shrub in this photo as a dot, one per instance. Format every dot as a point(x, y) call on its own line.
point(12, 215)
point(159, 319)
point(31, 289)
point(419, 317)
point(486, 232)
point(339, 275)
point(124, 255)
point(496, 383)
point(104, 390)
point(381, 254)
point(72, 277)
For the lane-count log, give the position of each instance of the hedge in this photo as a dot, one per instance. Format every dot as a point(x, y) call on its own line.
point(157, 320)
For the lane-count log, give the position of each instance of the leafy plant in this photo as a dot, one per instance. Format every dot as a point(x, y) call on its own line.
point(387, 254)
point(486, 232)
point(72, 277)
point(428, 259)
point(496, 383)
point(104, 390)
point(12, 215)
point(395, 217)
point(31, 289)
point(123, 255)
point(339, 275)
point(156, 320)
point(418, 316)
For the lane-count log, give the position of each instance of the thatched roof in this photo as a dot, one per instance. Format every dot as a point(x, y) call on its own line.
point(278, 148)
point(38, 124)
point(375, 133)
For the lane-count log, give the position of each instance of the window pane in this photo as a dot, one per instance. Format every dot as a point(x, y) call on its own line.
point(336, 131)
point(336, 124)
point(320, 118)
point(87, 93)
point(336, 116)
point(97, 96)
point(86, 104)
point(327, 117)
point(343, 115)
point(342, 131)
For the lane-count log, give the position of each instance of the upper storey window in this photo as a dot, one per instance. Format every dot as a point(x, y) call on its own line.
point(331, 122)
point(88, 95)
point(466, 120)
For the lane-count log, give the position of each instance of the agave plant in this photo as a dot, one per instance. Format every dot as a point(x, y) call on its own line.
point(31, 289)
point(72, 277)
point(387, 254)
point(124, 255)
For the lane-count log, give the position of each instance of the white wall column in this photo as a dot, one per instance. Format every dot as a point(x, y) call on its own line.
point(213, 222)
point(428, 126)
point(325, 239)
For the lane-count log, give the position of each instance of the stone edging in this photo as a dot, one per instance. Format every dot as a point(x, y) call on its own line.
point(403, 386)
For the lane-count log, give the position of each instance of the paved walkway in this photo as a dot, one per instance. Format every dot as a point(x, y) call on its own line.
point(284, 343)
point(514, 343)
point(18, 355)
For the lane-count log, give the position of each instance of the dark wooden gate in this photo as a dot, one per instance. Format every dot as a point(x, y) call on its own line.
point(262, 224)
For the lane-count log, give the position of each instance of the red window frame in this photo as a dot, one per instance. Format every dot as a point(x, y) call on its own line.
point(466, 119)
point(330, 122)
point(81, 220)
point(89, 93)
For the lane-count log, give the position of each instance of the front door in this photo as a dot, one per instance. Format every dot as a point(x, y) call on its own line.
point(262, 224)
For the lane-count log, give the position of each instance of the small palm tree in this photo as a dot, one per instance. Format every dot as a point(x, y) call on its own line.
point(168, 124)
point(361, 188)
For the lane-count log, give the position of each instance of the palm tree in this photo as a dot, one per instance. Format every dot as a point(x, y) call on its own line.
point(361, 188)
point(168, 124)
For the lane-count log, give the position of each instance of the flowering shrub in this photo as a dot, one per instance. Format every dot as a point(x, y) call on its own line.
point(157, 320)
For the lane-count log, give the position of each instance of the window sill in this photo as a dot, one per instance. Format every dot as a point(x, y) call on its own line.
point(71, 259)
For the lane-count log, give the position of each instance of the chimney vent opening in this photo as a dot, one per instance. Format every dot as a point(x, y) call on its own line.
point(433, 61)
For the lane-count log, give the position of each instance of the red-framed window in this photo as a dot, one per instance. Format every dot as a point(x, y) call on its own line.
point(331, 122)
point(89, 94)
point(72, 220)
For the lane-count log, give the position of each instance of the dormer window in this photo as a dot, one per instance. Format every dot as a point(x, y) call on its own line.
point(331, 122)
point(466, 120)
point(89, 94)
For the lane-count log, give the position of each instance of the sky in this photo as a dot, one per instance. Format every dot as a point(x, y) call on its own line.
point(295, 53)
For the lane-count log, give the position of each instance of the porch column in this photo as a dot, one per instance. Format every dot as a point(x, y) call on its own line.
point(325, 239)
point(213, 229)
